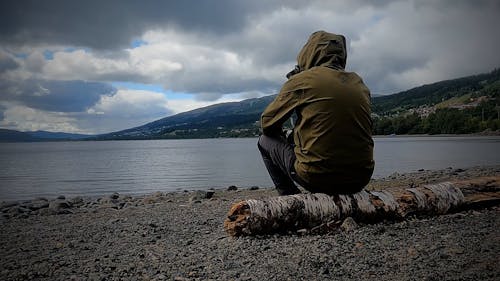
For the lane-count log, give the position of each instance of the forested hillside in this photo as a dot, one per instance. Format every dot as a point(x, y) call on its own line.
point(459, 106)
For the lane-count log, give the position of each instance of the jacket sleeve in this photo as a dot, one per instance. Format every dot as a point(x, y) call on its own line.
point(278, 111)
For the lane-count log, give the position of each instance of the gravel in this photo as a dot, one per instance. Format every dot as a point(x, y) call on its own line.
point(179, 236)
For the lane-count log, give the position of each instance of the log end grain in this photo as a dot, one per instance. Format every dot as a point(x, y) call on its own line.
point(236, 222)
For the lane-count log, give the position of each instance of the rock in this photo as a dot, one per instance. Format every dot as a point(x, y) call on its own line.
point(47, 212)
point(209, 194)
point(59, 204)
point(6, 205)
point(23, 209)
point(13, 210)
point(36, 205)
point(232, 188)
point(115, 195)
point(349, 224)
point(64, 212)
point(77, 201)
point(61, 197)
point(157, 194)
point(200, 195)
point(254, 188)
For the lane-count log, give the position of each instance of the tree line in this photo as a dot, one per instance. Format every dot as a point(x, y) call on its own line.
point(485, 116)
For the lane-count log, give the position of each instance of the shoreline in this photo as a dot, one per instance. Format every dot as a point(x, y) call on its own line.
point(218, 189)
point(479, 134)
point(180, 236)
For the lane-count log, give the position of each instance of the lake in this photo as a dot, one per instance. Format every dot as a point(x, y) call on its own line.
point(49, 169)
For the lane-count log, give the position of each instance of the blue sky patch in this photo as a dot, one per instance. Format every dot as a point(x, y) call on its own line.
point(152, 88)
point(49, 55)
point(137, 43)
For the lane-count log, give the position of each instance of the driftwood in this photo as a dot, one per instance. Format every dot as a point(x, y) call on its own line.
point(310, 211)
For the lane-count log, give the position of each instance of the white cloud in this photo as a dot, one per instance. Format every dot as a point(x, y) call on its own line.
point(124, 109)
point(182, 105)
point(413, 43)
point(131, 103)
point(28, 119)
point(393, 45)
point(80, 64)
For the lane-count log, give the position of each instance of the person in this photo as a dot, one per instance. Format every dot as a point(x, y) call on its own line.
point(332, 147)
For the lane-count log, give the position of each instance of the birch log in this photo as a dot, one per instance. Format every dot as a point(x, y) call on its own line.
point(310, 211)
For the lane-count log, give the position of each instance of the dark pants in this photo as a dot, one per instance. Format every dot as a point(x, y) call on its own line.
point(279, 159)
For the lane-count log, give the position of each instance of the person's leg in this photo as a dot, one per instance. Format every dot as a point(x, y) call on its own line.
point(279, 159)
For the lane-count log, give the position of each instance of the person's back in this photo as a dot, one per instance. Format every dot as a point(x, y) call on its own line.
point(333, 145)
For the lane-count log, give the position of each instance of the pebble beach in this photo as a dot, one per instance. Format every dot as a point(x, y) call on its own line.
point(180, 236)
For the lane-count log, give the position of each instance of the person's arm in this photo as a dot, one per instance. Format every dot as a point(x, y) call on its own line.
point(278, 111)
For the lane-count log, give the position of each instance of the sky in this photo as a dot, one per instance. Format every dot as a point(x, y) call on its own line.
point(98, 66)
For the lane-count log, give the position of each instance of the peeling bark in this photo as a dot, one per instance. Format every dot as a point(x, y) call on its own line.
point(309, 211)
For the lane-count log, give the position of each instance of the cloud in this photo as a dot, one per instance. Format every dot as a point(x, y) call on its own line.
point(7, 63)
point(121, 110)
point(80, 64)
point(132, 103)
point(115, 23)
point(59, 57)
point(423, 42)
point(24, 118)
point(53, 95)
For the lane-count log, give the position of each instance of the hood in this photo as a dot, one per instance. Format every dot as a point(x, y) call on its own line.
point(323, 49)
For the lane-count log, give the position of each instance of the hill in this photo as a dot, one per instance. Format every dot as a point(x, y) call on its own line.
point(475, 86)
point(469, 101)
point(37, 136)
point(463, 105)
point(233, 119)
point(16, 136)
point(44, 135)
point(459, 106)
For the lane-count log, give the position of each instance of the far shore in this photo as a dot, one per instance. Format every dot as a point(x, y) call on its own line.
point(480, 134)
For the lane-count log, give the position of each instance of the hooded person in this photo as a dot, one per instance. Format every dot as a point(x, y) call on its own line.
point(332, 149)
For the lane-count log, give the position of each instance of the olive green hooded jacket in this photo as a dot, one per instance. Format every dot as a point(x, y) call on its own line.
point(332, 134)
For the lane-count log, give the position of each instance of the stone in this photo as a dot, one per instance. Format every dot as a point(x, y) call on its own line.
point(47, 212)
point(77, 201)
point(23, 209)
point(209, 194)
point(59, 204)
point(254, 188)
point(157, 194)
point(64, 212)
point(349, 224)
point(37, 205)
point(61, 197)
point(200, 195)
point(232, 188)
point(6, 205)
point(115, 195)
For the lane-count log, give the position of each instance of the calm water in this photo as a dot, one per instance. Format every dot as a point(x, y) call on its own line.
point(28, 170)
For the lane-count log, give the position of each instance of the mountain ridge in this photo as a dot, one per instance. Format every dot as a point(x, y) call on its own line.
point(7, 135)
point(410, 111)
point(220, 120)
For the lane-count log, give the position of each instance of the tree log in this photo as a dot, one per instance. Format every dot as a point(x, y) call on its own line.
point(310, 211)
